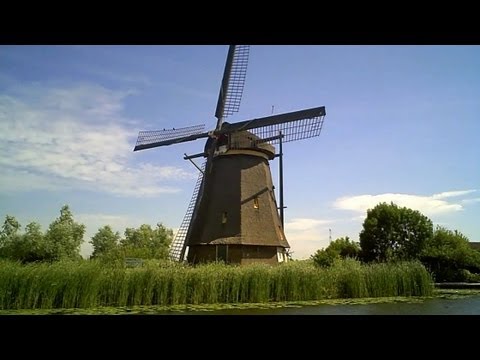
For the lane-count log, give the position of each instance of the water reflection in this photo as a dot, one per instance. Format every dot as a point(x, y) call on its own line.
point(462, 306)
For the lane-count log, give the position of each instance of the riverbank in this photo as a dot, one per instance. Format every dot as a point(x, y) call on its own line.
point(441, 302)
point(457, 285)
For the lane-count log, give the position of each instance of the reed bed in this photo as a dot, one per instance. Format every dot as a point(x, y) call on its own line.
point(87, 284)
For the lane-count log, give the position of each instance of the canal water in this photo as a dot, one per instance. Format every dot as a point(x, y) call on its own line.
point(462, 306)
point(449, 302)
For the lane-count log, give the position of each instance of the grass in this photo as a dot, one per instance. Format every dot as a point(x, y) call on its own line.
point(91, 284)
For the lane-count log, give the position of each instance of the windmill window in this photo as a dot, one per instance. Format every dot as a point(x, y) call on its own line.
point(255, 202)
point(224, 217)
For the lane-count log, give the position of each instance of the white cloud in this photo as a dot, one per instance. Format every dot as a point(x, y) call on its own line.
point(306, 236)
point(75, 138)
point(448, 194)
point(429, 205)
point(303, 224)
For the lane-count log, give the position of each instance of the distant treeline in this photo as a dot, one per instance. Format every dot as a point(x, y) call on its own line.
point(391, 233)
point(62, 240)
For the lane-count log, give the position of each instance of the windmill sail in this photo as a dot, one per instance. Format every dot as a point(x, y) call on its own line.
point(151, 139)
point(294, 126)
point(178, 247)
point(233, 82)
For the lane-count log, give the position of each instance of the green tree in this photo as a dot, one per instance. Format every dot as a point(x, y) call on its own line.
point(146, 242)
point(449, 257)
point(9, 236)
point(25, 247)
point(394, 233)
point(29, 246)
point(33, 244)
point(105, 242)
point(341, 248)
point(345, 247)
point(64, 237)
point(325, 257)
point(10, 227)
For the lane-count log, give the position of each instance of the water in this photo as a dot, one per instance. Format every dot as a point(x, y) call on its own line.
point(445, 303)
point(461, 306)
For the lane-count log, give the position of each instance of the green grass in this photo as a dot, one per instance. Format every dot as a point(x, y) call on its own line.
point(91, 284)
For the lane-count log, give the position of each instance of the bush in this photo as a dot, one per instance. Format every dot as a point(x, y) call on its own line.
point(449, 257)
point(341, 248)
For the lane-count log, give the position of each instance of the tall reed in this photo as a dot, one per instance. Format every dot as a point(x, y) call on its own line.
point(85, 284)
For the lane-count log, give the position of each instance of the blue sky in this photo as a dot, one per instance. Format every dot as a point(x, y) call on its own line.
point(402, 125)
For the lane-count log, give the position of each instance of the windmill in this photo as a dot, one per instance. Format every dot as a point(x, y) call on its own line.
point(233, 214)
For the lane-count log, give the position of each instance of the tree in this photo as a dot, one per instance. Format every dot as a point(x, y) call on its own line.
point(324, 257)
point(64, 237)
point(29, 246)
point(341, 248)
point(25, 247)
point(104, 242)
point(9, 236)
point(146, 242)
point(10, 226)
point(394, 233)
point(33, 244)
point(345, 247)
point(449, 257)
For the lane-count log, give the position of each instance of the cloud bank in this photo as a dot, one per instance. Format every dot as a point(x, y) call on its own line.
point(429, 205)
point(76, 137)
point(306, 236)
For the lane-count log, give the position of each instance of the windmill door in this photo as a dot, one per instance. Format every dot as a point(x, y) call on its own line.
point(222, 253)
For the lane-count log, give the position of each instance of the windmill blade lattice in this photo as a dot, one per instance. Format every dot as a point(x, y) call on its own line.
point(233, 82)
point(294, 126)
point(291, 131)
point(177, 248)
point(150, 139)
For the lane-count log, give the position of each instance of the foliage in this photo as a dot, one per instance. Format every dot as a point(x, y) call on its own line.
point(30, 246)
point(26, 247)
point(345, 247)
point(324, 257)
point(9, 236)
point(105, 242)
point(10, 227)
point(83, 284)
point(341, 248)
point(147, 243)
point(449, 256)
point(64, 237)
point(394, 233)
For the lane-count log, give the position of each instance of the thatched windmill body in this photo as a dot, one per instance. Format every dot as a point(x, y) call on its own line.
point(233, 215)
